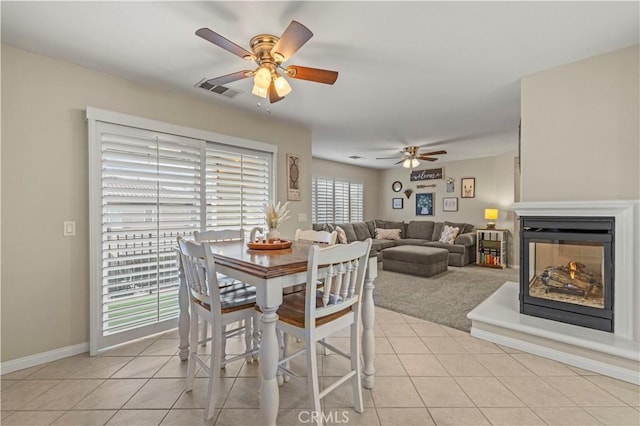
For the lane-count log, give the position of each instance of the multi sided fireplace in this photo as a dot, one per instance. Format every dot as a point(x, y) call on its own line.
point(566, 269)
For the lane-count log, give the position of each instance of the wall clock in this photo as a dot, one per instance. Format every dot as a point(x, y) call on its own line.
point(396, 186)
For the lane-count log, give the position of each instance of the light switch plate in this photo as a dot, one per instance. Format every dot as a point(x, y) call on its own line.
point(69, 229)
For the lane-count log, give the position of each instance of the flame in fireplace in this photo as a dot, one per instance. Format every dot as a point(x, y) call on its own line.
point(572, 269)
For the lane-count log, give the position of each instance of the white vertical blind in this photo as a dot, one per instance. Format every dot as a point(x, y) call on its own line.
point(336, 200)
point(153, 187)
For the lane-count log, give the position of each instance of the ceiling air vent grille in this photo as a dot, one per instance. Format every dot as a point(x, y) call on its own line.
point(220, 90)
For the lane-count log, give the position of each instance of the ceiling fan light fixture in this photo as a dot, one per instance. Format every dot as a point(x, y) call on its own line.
point(410, 163)
point(262, 79)
point(283, 88)
point(259, 91)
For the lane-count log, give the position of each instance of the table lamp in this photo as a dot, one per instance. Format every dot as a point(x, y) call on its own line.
point(491, 215)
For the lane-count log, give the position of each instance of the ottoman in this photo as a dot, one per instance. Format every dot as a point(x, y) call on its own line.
point(416, 260)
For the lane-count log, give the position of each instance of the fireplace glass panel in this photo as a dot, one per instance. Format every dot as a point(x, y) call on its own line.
point(567, 271)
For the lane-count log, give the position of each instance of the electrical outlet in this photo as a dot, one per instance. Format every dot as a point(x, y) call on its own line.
point(69, 229)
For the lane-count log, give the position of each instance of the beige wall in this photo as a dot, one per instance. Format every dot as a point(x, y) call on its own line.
point(369, 177)
point(494, 188)
point(580, 138)
point(45, 288)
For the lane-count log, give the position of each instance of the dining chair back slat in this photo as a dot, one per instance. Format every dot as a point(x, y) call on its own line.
point(323, 237)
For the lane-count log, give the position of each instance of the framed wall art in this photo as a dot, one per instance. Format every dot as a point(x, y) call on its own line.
point(424, 204)
point(293, 177)
point(450, 204)
point(430, 174)
point(450, 185)
point(468, 188)
point(398, 203)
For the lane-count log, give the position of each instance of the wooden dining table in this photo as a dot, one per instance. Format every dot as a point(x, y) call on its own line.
point(270, 271)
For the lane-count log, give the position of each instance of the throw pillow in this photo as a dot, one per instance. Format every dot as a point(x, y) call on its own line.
point(449, 234)
point(387, 234)
point(342, 236)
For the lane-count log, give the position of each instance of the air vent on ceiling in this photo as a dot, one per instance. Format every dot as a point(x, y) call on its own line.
point(220, 90)
point(355, 157)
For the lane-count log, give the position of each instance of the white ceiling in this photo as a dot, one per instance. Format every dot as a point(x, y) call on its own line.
point(440, 74)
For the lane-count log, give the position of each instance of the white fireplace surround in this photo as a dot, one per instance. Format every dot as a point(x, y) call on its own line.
point(614, 354)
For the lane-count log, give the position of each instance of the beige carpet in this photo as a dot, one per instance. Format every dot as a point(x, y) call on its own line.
point(444, 298)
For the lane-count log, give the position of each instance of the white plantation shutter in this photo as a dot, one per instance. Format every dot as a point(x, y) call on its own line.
point(356, 202)
point(237, 188)
point(322, 200)
point(148, 188)
point(341, 201)
point(150, 195)
point(336, 200)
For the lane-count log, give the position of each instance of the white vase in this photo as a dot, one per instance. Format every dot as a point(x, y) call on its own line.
point(274, 234)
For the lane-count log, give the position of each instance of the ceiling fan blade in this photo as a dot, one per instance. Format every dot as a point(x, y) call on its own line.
point(427, 159)
point(433, 153)
point(219, 81)
point(291, 40)
point(401, 161)
point(312, 74)
point(222, 42)
point(273, 95)
point(387, 158)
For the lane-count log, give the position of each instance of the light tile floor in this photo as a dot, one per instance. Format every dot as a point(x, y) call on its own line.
point(426, 374)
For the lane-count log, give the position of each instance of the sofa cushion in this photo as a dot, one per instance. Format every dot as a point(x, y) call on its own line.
point(453, 248)
point(341, 236)
point(464, 227)
point(362, 230)
point(371, 224)
point(387, 234)
point(348, 230)
point(422, 229)
point(387, 224)
point(411, 242)
point(383, 244)
point(437, 231)
point(449, 234)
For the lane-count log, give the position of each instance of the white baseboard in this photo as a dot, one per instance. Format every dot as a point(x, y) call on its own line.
point(42, 358)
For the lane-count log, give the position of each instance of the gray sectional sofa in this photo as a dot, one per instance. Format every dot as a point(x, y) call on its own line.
point(416, 232)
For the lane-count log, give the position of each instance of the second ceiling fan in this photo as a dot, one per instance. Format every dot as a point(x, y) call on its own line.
point(269, 53)
point(411, 156)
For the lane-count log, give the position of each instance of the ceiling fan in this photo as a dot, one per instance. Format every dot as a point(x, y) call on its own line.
point(411, 156)
point(270, 52)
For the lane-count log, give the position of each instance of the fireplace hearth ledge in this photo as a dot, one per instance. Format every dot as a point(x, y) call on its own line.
point(498, 320)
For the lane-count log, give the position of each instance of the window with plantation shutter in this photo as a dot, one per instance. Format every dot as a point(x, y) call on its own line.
point(336, 200)
point(147, 188)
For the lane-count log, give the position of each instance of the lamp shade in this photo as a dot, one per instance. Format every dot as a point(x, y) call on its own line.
point(262, 79)
point(282, 86)
point(259, 91)
point(410, 163)
point(491, 214)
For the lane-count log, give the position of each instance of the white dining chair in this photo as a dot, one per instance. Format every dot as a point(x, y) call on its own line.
point(324, 237)
point(218, 307)
point(213, 236)
point(320, 312)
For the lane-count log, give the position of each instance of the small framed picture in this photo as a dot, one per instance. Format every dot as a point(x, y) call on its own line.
point(468, 188)
point(450, 185)
point(450, 204)
point(424, 204)
point(398, 203)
